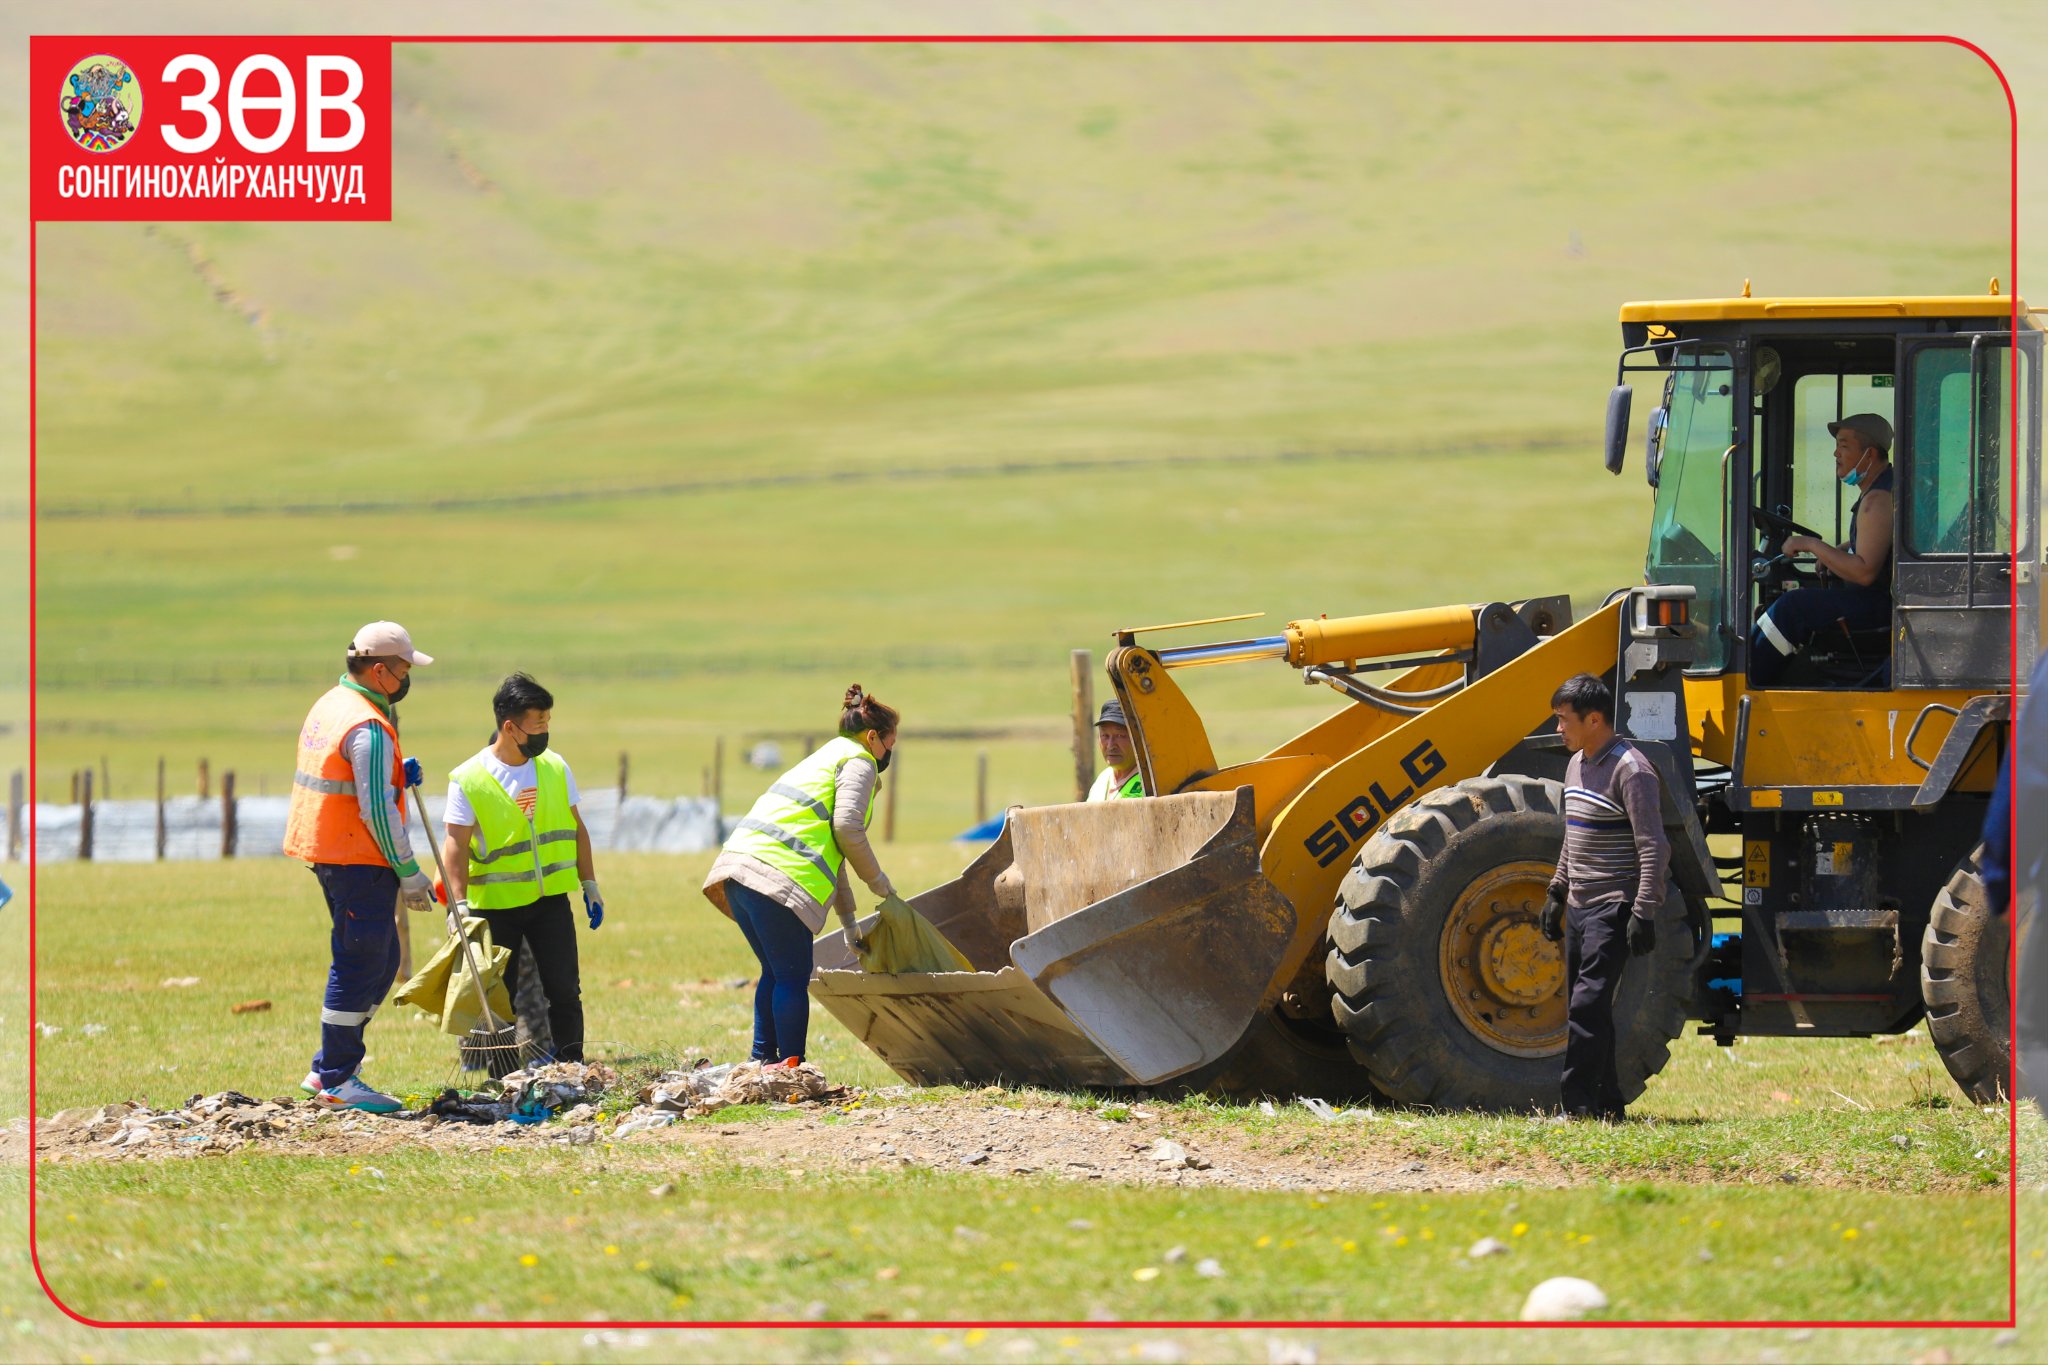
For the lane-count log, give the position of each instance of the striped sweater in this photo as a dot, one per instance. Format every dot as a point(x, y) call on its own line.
point(369, 753)
point(1614, 845)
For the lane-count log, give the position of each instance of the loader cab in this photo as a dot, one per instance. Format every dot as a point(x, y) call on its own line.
point(1739, 457)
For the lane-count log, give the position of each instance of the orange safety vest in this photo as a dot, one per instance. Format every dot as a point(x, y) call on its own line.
point(325, 824)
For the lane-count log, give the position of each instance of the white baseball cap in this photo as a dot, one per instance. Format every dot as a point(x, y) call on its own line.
point(386, 640)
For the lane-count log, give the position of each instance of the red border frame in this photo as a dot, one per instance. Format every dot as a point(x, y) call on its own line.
point(2012, 289)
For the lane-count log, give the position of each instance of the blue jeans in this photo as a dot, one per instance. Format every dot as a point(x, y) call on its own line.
point(362, 903)
point(1798, 616)
point(782, 997)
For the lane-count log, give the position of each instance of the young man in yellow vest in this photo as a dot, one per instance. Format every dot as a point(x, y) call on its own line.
point(1120, 780)
point(347, 822)
point(514, 846)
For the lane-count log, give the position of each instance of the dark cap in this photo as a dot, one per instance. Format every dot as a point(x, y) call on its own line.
point(1112, 714)
point(1872, 428)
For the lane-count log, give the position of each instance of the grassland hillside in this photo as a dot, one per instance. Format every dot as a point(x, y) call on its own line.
point(704, 379)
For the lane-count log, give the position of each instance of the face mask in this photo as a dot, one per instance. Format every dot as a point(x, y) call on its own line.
point(404, 686)
point(533, 746)
point(882, 763)
point(1853, 477)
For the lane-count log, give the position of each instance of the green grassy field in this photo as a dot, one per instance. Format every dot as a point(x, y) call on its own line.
point(1703, 1164)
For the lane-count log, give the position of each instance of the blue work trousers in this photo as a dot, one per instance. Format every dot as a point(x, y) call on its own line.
point(782, 998)
point(1798, 616)
point(362, 902)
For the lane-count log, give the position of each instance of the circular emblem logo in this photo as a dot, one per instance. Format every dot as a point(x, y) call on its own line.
point(102, 103)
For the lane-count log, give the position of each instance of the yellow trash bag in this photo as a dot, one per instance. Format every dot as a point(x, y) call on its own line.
point(904, 941)
point(441, 990)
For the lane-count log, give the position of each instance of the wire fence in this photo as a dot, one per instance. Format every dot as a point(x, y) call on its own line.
point(196, 828)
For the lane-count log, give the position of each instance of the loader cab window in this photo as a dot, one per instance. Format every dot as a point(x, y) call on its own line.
point(1818, 498)
point(1959, 499)
point(1688, 527)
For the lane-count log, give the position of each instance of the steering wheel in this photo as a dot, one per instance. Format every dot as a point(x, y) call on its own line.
point(1782, 526)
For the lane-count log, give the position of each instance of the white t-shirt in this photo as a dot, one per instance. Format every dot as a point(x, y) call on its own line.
point(519, 783)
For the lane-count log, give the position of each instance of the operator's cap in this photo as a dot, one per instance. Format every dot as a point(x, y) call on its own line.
point(386, 640)
point(1112, 714)
point(1869, 426)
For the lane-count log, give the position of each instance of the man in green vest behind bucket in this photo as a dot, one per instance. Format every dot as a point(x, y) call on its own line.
point(1120, 780)
point(514, 846)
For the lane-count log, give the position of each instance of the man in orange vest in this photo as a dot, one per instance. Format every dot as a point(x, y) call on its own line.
point(346, 820)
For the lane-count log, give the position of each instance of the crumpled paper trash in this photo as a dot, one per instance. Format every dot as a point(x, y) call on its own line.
point(705, 1088)
point(225, 1119)
point(556, 1086)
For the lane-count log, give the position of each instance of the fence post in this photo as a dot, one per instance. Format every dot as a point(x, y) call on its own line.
point(1083, 665)
point(205, 781)
point(85, 816)
point(106, 780)
point(227, 814)
point(162, 830)
point(981, 786)
point(74, 786)
point(623, 764)
point(718, 774)
point(14, 817)
point(889, 796)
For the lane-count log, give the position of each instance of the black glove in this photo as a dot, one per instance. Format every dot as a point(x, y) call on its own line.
point(1642, 934)
point(1551, 920)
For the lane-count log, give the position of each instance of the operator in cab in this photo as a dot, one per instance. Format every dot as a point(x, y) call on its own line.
point(1862, 566)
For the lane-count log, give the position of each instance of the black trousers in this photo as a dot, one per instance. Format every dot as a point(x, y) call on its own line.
point(1595, 950)
point(548, 927)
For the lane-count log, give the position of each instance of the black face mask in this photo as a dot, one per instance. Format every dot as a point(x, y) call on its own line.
point(882, 763)
point(533, 746)
point(404, 686)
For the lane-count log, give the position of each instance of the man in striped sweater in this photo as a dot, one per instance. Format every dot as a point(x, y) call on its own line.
point(1609, 884)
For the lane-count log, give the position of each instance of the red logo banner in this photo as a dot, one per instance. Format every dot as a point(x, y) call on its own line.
point(213, 128)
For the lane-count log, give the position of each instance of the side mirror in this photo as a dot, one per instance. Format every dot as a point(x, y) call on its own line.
point(1617, 425)
point(1653, 443)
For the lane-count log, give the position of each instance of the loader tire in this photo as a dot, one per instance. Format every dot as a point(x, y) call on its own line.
point(1443, 901)
point(1963, 980)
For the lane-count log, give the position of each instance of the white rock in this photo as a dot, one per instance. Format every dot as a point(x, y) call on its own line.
point(1562, 1299)
point(1209, 1268)
point(1488, 1246)
point(1175, 1255)
point(1169, 1154)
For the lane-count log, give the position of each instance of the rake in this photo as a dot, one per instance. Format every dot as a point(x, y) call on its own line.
point(494, 1047)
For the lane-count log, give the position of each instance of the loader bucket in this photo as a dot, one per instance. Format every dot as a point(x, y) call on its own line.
point(1114, 943)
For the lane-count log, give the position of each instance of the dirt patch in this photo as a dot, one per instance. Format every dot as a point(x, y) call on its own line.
point(1005, 1140)
point(987, 1135)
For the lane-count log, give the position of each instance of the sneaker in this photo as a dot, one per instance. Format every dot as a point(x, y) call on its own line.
point(311, 1085)
point(353, 1094)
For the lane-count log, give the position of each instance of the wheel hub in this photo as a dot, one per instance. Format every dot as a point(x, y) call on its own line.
point(1505, 980)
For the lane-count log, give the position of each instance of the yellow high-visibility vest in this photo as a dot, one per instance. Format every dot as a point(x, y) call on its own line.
point(527, 859)
point(790, 827)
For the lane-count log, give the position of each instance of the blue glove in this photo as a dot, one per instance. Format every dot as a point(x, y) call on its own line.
point(593, 904)
point(414, 774)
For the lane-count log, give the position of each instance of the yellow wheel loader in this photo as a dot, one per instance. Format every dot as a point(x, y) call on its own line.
point(1355, 913)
